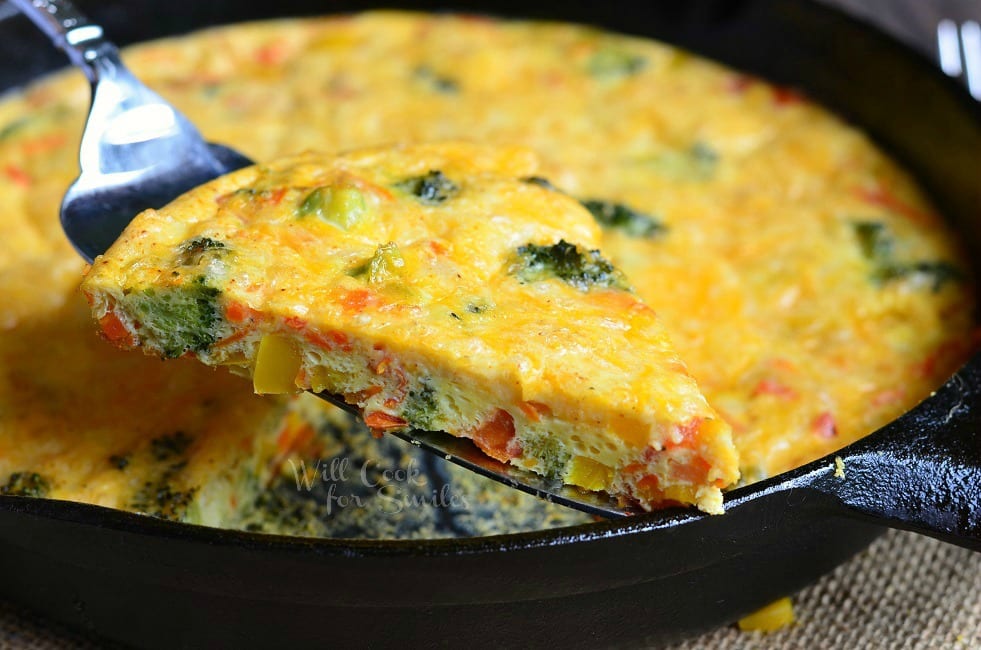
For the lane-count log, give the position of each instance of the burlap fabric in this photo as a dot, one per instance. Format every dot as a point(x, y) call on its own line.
point(905, 591)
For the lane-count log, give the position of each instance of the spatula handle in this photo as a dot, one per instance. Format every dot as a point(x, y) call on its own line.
point(922, 472)
point(70, 30)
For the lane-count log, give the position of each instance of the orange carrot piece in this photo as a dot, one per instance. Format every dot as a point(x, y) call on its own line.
point(695, 471)
point(495, 435)
point(238, 312)
point(775, 388)
point(535, 410)
point(271, 53)
point(329, 339)
point(232, 338)
point(114, 330)
point(17, 175)
point(689, 437)
point(355, 301)
point(883, 198)
point(824, 425)
point(380, 420)
point(44, 143)
point(295, 322)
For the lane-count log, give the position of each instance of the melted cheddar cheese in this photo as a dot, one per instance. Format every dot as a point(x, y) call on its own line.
point(441, 287)
point(807, 283)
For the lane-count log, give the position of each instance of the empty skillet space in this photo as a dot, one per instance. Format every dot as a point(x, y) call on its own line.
point(117, 577)
point(799, 556)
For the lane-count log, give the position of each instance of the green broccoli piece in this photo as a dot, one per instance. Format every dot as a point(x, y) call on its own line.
point(580, 269)
point(421, 407)
point(191, 251)
point(341, 206)
point(160, 498)
point(26, 484)
point(614, 63)
point(432, 188)
point(180, 319)
point(540, 181)
point(938, 273)
point(13, 127)
point(878, 248)
point(698, 162)
point(873, 240)
point(551, 455)
point(170, 446)
point(437, 82)
point(622, 217)
point(165, 493)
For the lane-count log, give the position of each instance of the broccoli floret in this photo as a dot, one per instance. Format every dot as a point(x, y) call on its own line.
point(702, 154)
point(421, 407)
point(193, 250)
point(170, 446)
point(938, 273)
point(873, 240)
point(552, 457)
point(622, 217)
point(612, 63)
point(696, 163)
point(26, 484)
point(341, 206)
point(13, 127)
point(432, 188)
point(180, 319)
point(878, 247)
point(385, 264)
point(159, 497)
point(540, 181)
point(165, 493)
point(581, 269)
point(438, 82)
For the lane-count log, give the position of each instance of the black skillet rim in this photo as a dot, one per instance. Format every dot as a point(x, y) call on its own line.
point(129, 522)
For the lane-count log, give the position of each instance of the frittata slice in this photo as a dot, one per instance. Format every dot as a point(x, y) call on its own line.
point(441, 287)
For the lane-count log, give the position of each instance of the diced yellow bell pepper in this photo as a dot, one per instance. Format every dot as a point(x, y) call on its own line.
point(342, 206)
point(346, 206)
point(276, 366)
point(772, 617)
point(680, 493)
point(588, 473)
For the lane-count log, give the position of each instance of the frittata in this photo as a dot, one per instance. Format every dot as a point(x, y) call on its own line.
point(442, 287)
point(82, 421)
point(809, 286)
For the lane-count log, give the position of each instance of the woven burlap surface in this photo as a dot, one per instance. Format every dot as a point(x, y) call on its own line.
point(904, 591)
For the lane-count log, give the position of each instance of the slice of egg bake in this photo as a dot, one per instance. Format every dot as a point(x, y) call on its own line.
point(440, 287)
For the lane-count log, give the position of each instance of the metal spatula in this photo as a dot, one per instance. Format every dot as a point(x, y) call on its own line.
point(137, 150)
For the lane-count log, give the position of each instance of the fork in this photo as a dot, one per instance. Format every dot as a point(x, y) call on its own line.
point(959, 48)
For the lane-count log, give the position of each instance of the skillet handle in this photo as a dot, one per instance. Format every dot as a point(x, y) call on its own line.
point(921, 472)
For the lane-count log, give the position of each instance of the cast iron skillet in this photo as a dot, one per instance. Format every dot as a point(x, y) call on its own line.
point(645, 580)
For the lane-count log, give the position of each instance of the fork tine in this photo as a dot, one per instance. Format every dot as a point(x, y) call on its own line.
point(971, 45)
point(949, 47)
